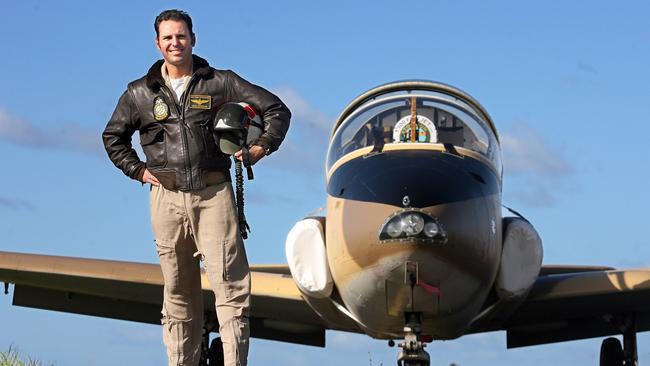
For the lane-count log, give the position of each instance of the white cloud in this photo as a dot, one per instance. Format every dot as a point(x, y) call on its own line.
point(16, 204)
point(588, 68)
point(305, 145)
point(526, 151)
point(303, 111)
point(75, 137)
point(539, 167)
point(19, 131)
point(536, 193)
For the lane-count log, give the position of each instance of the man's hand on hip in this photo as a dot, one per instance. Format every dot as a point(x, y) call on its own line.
point(255, 153)
point(149, 178)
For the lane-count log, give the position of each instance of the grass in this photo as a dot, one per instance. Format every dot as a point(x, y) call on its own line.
point(13, 358)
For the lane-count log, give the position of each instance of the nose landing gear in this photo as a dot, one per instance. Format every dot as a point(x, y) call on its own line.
point(413, 353)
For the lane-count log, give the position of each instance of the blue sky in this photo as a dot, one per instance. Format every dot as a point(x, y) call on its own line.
point(565, 82)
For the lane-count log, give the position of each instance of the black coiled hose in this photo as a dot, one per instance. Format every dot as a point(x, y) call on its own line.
point(244, 229)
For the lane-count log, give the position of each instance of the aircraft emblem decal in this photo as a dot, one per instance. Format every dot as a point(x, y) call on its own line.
point(425, 130)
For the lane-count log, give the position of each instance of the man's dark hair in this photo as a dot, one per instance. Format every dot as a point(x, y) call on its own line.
point(173, 14)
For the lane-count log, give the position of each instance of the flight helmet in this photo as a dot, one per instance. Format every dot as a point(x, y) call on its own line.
point(236, 125)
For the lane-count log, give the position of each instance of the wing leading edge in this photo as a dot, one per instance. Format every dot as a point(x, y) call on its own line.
point(133, 291)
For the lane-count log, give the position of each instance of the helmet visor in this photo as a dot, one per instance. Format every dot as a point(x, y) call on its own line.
point(230, 141)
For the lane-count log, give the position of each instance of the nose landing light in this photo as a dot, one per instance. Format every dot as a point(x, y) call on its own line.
point(412, 225)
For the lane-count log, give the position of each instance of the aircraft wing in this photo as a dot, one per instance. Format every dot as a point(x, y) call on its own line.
point(133, 291)
point(572, 302)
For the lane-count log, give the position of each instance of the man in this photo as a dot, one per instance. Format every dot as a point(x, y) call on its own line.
point(192, 210)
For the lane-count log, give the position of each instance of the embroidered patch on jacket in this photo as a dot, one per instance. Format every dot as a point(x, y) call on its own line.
point(160, 109)
point(200, 101)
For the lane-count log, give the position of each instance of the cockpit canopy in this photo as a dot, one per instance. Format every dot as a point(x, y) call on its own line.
point(414, 112)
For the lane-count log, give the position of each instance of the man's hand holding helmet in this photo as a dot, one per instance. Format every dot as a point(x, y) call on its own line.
point(237, 125)
point(255, 153)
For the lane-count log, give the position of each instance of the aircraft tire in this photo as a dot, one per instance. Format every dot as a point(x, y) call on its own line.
point(611, 352)
point(215, 354)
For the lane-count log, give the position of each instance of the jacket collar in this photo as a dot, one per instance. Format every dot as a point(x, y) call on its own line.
point(155, 79)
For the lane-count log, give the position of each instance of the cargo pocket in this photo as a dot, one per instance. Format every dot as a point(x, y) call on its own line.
point(235, 271)
point(227, 255)
point(153, 145)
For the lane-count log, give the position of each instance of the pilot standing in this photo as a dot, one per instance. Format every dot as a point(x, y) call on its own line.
point(193, 214)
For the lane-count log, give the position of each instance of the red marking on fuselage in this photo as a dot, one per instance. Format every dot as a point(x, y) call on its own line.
point(434, 290)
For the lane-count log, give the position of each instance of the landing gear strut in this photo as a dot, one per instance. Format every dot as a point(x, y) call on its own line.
point(413, 353)
point(612, 353)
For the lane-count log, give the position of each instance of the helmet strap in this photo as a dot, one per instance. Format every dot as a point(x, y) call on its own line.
point(246, 157)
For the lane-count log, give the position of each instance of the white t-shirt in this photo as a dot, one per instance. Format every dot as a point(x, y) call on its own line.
point(178, 85)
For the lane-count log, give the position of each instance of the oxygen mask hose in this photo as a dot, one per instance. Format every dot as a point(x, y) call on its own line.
point(244, 229)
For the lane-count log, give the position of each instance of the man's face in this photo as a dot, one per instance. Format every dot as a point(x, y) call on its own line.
point(175, 42)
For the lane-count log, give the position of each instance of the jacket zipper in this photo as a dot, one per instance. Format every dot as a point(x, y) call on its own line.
point(180, 110)
point(183, 99)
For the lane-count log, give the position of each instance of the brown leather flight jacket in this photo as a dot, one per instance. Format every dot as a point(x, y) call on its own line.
point(177, 140)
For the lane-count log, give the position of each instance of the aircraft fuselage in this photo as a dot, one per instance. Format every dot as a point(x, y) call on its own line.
point(454, 277)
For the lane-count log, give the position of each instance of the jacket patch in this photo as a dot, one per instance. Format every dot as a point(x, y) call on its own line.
point(160, 109)
point(200, 101)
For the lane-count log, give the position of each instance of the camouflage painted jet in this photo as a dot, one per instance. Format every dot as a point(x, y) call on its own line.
point(412, 246)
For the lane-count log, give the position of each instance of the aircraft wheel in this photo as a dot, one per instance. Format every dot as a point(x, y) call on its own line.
point(215, 354)
point(611, 352)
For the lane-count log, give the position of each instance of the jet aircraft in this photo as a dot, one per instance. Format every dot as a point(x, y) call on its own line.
point(412, 246)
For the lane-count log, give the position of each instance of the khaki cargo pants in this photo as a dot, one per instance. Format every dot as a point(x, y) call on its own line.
point(188, 226)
